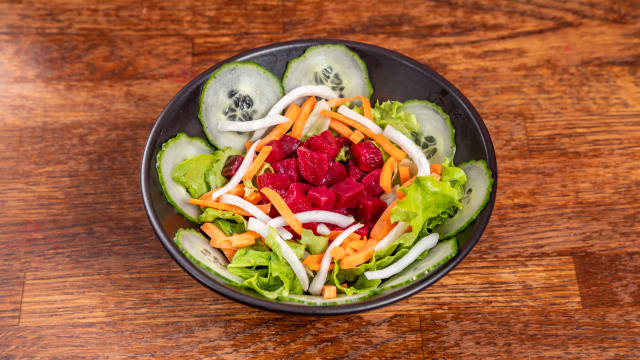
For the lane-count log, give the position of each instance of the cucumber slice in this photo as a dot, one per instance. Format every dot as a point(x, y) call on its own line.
point(333, 65)
point(320, 301)
point(436, 134)
point(437, 256)
point(238, 91)
point(197, 249)
point(173, 152)
point(476, 194)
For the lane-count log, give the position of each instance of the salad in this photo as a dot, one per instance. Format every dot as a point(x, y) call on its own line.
point(306, 192)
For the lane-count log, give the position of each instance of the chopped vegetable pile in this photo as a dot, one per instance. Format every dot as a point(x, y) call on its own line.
point(335, 200)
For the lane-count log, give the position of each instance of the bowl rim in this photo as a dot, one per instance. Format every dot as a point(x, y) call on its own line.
point(229, 291)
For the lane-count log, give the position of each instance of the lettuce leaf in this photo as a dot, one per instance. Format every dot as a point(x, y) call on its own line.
point(213, 174)
point(315, 244)
point(343, 155)
point(191, 174)
point(298, 249)
point(230, 223)
point(362, 284)
point(391, 113)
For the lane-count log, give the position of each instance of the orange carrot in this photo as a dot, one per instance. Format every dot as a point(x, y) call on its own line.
point(217, 238)
point(337, 252)
point(356, 137)
point(244, 239)
point(383, 225)
point(340, 128)
point(391, 149)
point(257, 162)
point(350, 251)
point(386, 176)
point(405, 184)
point(340, 101)
point(283, 209)
point(329, 292)
point(313, 262)
point(436, 168)
point(229, 253)
point(292, 113)
point(363, 255)
point(254, 197)
point(357, 244)
point(366, 104)
point(366, 107)
point(334, 234)
point(227, 207)
point(237, 190)
point(306, 109)
point(247, 145)
point(404, 173)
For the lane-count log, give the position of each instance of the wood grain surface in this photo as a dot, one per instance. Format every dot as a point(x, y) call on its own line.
point(555, 275)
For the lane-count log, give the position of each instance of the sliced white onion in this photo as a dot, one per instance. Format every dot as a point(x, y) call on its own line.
point(287, 253)
point(425, 243)
point(252, 125)
point(322, 229)
point(394, 234)
point(408, 146)
point(293, 95)
point(317, 123)
point(321, 275)
point(390, 196)
point(321, 216)
point(359, 118)
point(253, 210)
point(237, 177)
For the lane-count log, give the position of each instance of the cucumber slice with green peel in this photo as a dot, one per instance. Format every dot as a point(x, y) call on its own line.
point(174, 152)
point(476, 195)
point(320, 301)
point(237, 91)
point(197, 249)
point(437, 256)
point(436, 134)
point(333, 65)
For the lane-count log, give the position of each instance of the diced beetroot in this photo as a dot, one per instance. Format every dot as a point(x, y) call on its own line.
point(307, 143)
point(363, 231)
point(313, 226)
point(278, 182)
point(300, 187)
point(231, 165)
point(344, 211)
point(313, 165)
point(370, 208)
point(295, 199)
point(288, 167)
point(371, 183)
point(326, 143)
point(289, 144)
point(353, 171)
point(277, 152)
point(367, 156)
point(343, 141)
point(348, 192)
point(336, 172)
point(322, 198)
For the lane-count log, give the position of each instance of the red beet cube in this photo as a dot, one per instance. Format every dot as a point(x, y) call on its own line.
point(367, 156)
point(295, 198)
point(313, 226)
point(231, 165)
point(278, 182)
point(344, 211)
point(313, 165)
point(371, 184)
point(348, 192)
point(363, 231)
point(289, 144)
point(277, 152)
point(300, 187)
point(353, 171)
point(322, 198)
point(370, 208)
point(288, 167)
point(336, 172)
point(343, 141)
point(326, 143)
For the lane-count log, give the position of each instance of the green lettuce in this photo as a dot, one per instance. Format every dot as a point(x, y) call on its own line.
point(362, 284)
point(391, 113)
point(315, 244)
point(191, 174)
point(343, 155)
point(279, 281)
point(297, 248)
point(230, 223)
point(213, 173)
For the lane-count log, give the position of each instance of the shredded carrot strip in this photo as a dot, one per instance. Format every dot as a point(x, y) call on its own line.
point(391, 149)
point(436, 176)
point(247, 145)
point(237, 190)
point(360, 257)
point(366, 107)
point(217, 238)
point(292, 113)
point(245, 239)
point(337, 252)
point(350, 251)
point(229, 253)
point(404, 173)
point(436, 168)
point(265, 208)
point(313, 262)
point(329, 292)
point(405, 184)
point(386, 176)
point(334, 234)
point(306, 109)
point(340, 128)
point(356, 137)
point(356, 244)
point(383, 225)
point(257, 162)
point(283, 209)
point(254, 197)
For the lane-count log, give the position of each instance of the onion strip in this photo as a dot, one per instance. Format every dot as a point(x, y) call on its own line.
point(320, 216)
point(425, 243)
point(394, 234)
point(253, 210)
point(237, 177)
point(408, 146)
point(252, 125)
point(359, 118)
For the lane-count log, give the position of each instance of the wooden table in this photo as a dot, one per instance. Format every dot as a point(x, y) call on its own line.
point(556, 274)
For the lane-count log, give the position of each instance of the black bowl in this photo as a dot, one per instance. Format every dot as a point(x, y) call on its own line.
point(394, 77)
